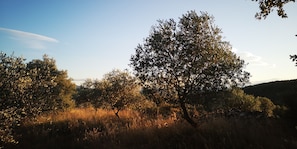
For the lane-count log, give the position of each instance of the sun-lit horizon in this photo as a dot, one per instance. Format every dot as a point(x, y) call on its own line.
point(92, 38)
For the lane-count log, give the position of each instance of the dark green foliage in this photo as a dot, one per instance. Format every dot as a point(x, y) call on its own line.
point(158, 97)
point(65, 90)
point(236, 99)
point(89, 92)
point(188, 57)
point(267, 6)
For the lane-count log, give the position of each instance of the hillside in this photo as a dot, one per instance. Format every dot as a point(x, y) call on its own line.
point(280, 92)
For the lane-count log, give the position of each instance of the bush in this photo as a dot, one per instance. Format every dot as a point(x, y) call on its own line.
point(237, 99)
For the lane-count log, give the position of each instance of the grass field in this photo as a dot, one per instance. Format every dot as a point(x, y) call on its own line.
point(90, 128)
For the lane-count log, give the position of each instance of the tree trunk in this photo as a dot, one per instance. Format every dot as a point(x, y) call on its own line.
point(186, 114)
point(117, 113)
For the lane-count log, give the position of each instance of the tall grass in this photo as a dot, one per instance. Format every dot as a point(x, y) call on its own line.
point(98, 128)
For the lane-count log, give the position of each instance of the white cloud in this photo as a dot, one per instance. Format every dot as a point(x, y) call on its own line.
point(260, 69)
point(252, 59)
point(31, 40)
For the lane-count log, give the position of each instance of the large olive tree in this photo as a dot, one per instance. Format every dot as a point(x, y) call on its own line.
point(186, 58)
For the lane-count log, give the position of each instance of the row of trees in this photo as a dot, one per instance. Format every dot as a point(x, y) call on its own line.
point(119, 89)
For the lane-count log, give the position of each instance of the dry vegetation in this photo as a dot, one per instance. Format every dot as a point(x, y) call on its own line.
point(90, 128)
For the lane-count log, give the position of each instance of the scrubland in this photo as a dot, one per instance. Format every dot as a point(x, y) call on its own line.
point(99, 128)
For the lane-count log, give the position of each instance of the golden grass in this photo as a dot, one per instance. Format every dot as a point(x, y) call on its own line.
point(85, 114)
point(99, 128)
point(133, 119)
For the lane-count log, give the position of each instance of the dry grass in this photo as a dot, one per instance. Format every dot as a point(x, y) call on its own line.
point(90, 128)
point(133, 119)
point(85, 114)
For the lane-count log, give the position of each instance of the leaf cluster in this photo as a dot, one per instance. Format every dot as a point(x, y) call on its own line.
point(267, 6)
point(294, 58)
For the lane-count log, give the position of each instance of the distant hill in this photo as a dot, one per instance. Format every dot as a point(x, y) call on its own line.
point(280, 92)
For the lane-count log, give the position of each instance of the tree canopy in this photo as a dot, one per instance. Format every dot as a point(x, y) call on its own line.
point(188, 57)
point(27, 89)
point(50, 88)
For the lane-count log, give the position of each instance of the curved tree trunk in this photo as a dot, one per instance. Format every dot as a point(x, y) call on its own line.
point(186, 114)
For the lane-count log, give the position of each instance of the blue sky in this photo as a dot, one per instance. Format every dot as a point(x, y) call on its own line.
point(90, 38)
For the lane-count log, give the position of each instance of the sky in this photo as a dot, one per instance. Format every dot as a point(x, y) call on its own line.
point(91, 38)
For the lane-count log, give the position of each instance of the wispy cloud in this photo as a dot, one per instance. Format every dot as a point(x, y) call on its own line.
point(30, 40)
point(252, 59)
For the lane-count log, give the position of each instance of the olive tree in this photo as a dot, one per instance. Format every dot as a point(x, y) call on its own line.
point(27, 89)
point(51, 89)
point(119, 89)
point(186, 58)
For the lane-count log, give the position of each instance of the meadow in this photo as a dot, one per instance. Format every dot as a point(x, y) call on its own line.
point(98, 128)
